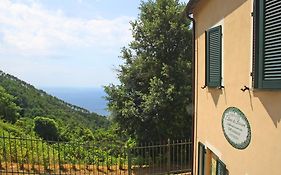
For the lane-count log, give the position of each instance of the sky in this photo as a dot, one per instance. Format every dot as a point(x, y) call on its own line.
point(65, 43)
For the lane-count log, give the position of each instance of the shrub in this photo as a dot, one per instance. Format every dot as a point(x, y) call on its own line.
point(46, 128)
point(9, 111)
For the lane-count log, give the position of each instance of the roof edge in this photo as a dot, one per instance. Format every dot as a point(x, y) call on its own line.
point(190, 6)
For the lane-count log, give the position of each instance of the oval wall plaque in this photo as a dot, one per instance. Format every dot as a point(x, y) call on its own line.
point(236, 128)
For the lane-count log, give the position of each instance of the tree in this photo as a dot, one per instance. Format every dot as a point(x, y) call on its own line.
point(34, 102)
point(153, 99)
point(9, 111)
point(46, 128)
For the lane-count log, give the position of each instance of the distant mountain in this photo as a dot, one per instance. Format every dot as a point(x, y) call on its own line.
point(91, 99)
point(35, 102)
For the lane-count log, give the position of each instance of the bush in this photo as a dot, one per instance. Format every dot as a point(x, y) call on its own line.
point(46, 128)
point(9, 111)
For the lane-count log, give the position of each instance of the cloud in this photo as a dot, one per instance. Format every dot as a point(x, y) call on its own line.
point(30, 29)
point(48, 48)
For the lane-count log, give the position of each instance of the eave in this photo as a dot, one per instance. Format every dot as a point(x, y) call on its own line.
point(190, 6)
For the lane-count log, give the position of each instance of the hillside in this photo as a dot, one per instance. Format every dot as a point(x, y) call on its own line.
point(34, 102)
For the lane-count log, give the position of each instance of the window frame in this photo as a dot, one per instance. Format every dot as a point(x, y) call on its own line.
point(201, 158)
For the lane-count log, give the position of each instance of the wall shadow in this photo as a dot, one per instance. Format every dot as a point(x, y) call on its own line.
point(205, 21)
point(272, 103)
point(215, 93)
point(224, 94)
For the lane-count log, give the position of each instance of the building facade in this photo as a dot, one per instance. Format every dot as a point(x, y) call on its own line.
point(237, 105)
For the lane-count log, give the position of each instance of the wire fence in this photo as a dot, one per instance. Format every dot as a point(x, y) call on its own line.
point(33, 156)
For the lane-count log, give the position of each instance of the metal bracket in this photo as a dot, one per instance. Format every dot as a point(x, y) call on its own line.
point(204, 87)
point(245, 88)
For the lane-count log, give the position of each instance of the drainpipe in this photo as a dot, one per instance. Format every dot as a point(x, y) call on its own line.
point(193, 90)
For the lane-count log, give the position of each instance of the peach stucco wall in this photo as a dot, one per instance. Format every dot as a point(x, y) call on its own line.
point(261, 107)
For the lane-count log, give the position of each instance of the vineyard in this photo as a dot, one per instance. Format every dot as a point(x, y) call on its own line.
point(34, 156)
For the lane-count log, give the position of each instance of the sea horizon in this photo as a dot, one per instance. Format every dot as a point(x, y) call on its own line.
point(90, 98)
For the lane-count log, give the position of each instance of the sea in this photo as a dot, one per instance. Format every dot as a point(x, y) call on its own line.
point(92, 99)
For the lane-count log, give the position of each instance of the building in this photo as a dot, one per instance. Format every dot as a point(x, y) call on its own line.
point(237, 86)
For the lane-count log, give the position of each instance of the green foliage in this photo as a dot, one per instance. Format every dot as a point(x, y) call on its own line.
point(46, 128)
point(24, 150)
point(102, 147)
point(34, 102)
point(21, 102)
point(34, 152)
point(26, 125)
point(154, 98)
point(6, 128)
point(9, 111)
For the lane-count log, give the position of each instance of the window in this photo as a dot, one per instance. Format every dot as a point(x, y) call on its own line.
point(213, 57)
point(209, 163)
point(267, 44)
point(221, 168)
point(201, 159)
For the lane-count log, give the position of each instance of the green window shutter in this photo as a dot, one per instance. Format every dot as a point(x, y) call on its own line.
point(201, 159)
point(268, 44)
point(221, 168)
point(213, 57)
